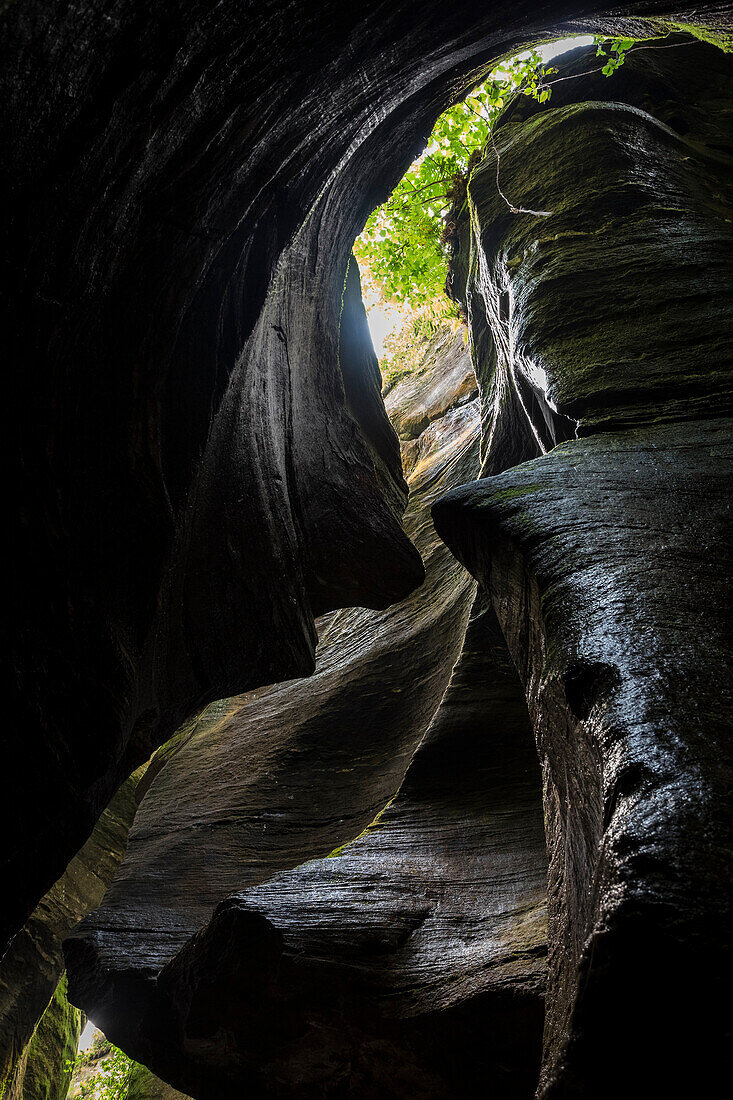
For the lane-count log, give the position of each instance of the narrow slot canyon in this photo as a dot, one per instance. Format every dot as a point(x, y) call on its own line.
point(370, 709)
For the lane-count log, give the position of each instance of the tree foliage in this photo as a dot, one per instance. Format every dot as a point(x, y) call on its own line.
point(109, 1074)
point(402, 248)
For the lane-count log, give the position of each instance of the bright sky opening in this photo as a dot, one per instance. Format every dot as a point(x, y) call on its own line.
point(87, 1036)
point(384, 319)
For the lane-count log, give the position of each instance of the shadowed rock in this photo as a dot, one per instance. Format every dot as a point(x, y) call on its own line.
point(413, 960)
point(198, 479)
point(43, 1071)
point(325, 756)
point(607, 558)
point(33, 965)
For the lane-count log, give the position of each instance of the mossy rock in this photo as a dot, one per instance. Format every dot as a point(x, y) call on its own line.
point(144, 1085)
point(45, 1068)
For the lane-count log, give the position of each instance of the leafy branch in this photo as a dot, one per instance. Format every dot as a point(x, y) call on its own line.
point(110, 1076)
point(404, 248)
point(614, 50)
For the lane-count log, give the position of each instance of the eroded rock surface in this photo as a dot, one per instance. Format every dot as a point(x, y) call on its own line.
point(205, 467)
point(437, 384)
point(32, 967)
point(183, 184)
point(43, 1071)
point(384, 965)
point(414, 959)
point(607, 558)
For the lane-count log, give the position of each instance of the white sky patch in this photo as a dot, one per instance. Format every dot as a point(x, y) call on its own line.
point(381, 324)
point(552, 49)
point(385, 319)
point(87, 1036)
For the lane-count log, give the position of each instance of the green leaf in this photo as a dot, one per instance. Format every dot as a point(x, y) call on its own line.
point(401, 246)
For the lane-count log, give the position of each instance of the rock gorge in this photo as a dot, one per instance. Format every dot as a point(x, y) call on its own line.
point(410, 827)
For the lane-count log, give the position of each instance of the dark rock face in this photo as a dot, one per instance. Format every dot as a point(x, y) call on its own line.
point(411, 961)
point(606, 558)
point(183, 187)
point(326, 753)
point(206, 466)
point(32, 967)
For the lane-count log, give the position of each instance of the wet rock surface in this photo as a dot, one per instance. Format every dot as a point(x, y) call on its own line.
point(607, 558)
point(328, 753)
point(194, 473)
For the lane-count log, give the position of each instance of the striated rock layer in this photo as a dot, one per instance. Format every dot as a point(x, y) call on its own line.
point(607, 558)
point(182, 183)
point(410, 961)
point(413, 960)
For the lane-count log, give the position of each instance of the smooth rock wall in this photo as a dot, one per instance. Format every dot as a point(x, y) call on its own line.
point(178, 527)
point(326, 754)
